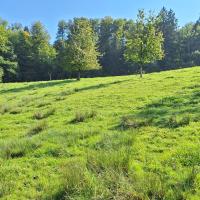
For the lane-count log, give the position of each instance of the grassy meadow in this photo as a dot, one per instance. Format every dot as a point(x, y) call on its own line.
point(112, 138)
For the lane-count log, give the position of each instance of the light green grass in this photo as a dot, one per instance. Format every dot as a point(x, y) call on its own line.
point(103, 138)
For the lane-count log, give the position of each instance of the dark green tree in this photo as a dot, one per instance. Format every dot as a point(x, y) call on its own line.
point(168, 25)
point(61, 44)
point(8, 64)
point(43, 53)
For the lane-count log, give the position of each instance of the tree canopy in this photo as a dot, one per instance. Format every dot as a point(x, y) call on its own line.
point(7, 56)
point(118, 45)
point(144, 42)
point(82, 53)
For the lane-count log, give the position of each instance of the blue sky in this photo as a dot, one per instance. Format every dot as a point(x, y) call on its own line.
point(51, 11)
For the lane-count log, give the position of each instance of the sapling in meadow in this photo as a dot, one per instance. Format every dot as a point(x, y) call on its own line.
point(144, 42)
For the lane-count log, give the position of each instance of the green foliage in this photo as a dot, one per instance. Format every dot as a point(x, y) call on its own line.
point(35, 55)
point(168, 25)
point(43, 53)
point(111, 37)
point(81, 46)
point(7, 58)
point(144, 42)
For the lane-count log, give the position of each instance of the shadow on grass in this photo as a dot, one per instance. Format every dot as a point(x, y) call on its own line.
point(169, 112)
point(34, 86)
point(99, 86)
point(62, 94)
point(60, 195)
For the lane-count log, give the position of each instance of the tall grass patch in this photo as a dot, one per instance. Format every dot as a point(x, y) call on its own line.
point(45, 114)
point(82, 116)
point(17, 148)
point(37, 128)
point(77, 181)
point(4, 108)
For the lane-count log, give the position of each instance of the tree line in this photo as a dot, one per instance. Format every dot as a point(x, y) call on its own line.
point(98, 47)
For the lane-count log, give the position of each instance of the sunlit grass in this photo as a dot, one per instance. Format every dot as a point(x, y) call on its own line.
point(102, 138)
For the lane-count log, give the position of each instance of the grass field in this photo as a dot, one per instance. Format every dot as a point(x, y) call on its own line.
point(120, 138)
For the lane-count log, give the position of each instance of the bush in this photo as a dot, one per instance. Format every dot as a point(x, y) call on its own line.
point(37, 128)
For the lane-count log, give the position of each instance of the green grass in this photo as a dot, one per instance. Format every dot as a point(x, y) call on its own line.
point(120, 138)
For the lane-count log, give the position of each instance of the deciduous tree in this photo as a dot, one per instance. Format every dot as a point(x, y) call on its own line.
point(82, 53)
point(144, 42)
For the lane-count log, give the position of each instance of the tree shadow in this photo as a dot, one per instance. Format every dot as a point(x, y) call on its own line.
point(34, 86)
point(169, 112)
point(99, 86)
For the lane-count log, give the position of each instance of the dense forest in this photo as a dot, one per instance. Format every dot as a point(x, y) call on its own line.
point(26, 53)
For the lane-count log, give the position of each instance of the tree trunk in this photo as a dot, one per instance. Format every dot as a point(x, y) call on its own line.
point(50, 76)
point(79, 76)
point(141, 71)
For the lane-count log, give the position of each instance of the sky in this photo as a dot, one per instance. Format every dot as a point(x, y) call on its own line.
point(49, 12)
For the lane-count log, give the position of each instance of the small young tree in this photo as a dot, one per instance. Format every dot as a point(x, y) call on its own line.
point(144, 42)
point(82, 51)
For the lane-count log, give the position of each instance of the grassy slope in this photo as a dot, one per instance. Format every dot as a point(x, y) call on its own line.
point(151, 153)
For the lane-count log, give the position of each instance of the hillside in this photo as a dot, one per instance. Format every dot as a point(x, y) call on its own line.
point(102, 138)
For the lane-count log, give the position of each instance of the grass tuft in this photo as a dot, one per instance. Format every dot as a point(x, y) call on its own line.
point(83, 116)
point(77, 180)
point(17, 148)
point(174, 122)
point(15, 110)
point(130, 122)
point(39, 127)
point(4, 108)
point(43, 115)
